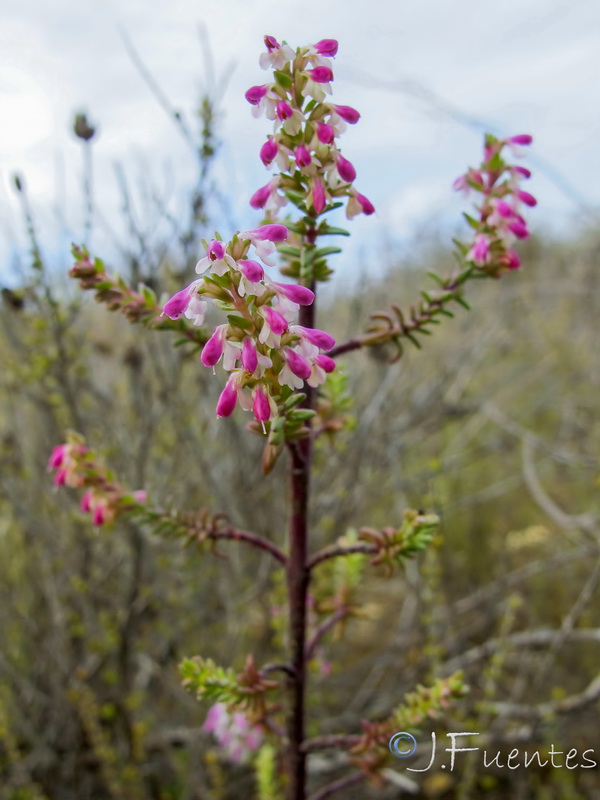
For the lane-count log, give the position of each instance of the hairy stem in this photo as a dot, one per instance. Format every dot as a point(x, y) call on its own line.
point(297, 581)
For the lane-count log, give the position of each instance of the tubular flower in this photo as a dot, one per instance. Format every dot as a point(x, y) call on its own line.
point(499, 221)
point(256, 345)
point(238, 738)
point(104, 498)
point(306, 128)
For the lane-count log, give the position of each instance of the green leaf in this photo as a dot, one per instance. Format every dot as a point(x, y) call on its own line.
point(325, 229)
point(239, 322)
point(289, 250)
point(327, 251)
point(283, 79)
point(474, 223)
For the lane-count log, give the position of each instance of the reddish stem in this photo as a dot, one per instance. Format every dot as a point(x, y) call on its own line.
point(297, 581)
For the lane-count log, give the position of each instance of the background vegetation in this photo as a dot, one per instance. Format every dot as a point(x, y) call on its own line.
point(494, 426)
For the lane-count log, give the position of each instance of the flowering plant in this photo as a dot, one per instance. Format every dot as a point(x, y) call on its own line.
point(279, 366)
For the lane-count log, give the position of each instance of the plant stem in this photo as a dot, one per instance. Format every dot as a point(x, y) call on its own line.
point(297, 581)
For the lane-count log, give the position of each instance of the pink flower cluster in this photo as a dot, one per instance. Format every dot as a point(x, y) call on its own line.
point(259, 345)
point(233, 732)
point(104, 499)
point(500, 222)
point(303, 144)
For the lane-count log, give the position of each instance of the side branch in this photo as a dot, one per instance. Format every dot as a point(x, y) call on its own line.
point(324, 742)
point(336, 786)
point(338, 550)
point(324, 628)
point(251, 539)
point(202, 527)
point(393, 326)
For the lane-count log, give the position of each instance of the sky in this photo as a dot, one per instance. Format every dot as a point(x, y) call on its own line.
point(428, 78)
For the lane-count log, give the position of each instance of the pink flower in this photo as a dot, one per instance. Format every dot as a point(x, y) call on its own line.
point(58, 455)
point(260, 197)
point(99, 513)
point(252, 276)
point(268, 151)
point(325, 133)
point(249, 355)
point(261, 407)
point(321, 74)
point(274, 326)
point(345, 169)
point(276, 321)
point(251, 270)
point(295, 371)
point(213, 349)
point(227, 399)
point(318, 196)
point(255, 94)
point(302, 155)
point(283, 110)
point(367, 205)
point(268, 197)
point(326, 47)
point(263, 239)
point(187, 302)
point(358, 204)
point(295, 292)
point(503, 209)
point(277, 55)
point(319, 338)
point(86, 501)
point(325, 362)
point(233, 732)
point(522, 138)
point(217, 259)
point(480, 251)
point(519, 228)
point(347, 113)
point(290, 297)
point(272, 232)
point(527, 198)
point(510, 260)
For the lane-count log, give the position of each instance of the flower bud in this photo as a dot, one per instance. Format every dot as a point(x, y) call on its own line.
point(345, 169)
point(302, 155)
point(519, 228)
point(367, 206)
point(276, 321)
point(326, 47)
point(268, 151)
point(273, 232)
point(251, 270)
point(261, 196)
point(216, 250)
point(255, 94)
point(297, 363)
point(272, 43)
point(260, 405)
point(325, 133)
point(321, 74)
point(347, 113)
point(249, 355)
point(283, 110)
point(527, 198)
point(296, 293)
point(319, 198)
point(213, 349)
point(325, 362)
point(522, 138)
point(227, 400)
point(322, 339)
